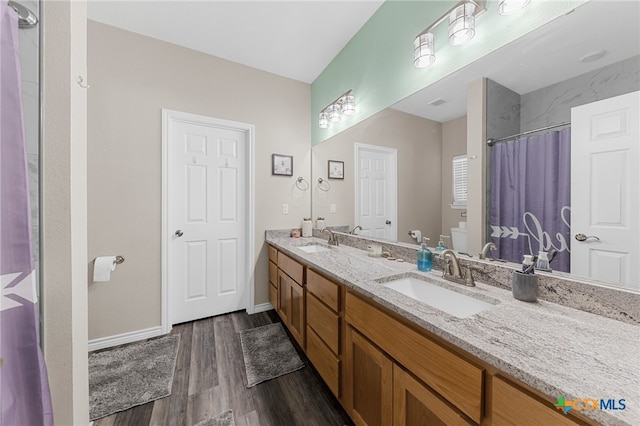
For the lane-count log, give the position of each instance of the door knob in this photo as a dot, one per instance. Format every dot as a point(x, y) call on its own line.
point(179, 233)
point(583, 237)
point(388, 222)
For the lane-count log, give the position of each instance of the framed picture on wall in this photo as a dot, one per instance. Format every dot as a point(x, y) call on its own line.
point(336, 169)
point(281, 165)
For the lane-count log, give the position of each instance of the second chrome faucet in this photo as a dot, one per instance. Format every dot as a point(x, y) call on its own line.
point(333, 240)
point(452, 271)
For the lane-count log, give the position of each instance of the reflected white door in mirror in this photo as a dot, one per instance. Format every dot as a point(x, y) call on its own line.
point(376, 191)
point(604, 191)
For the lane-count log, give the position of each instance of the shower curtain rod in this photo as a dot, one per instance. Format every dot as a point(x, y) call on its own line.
point(492, 142)
point(26, 18)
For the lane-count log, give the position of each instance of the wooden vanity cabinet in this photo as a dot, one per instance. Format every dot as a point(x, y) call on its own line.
point(386, 371)
point(291, 297)
point(448, 376)
point(323, 329)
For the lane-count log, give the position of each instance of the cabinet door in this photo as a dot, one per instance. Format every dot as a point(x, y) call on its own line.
point(284, 282)
point(296, 312)
point(368, 383)
point(415, 404)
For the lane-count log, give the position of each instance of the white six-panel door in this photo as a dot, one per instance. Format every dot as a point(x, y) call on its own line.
point(605, 189)
point(206, 193)
point(376, 191)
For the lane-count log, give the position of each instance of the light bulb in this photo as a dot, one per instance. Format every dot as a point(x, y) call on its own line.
point(424, 50)
point(462, 24)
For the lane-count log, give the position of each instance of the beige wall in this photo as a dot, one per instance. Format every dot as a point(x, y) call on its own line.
point(476, 150)
point(64, 209)
point(454, 142)
point(418, 142)
point(132, 78)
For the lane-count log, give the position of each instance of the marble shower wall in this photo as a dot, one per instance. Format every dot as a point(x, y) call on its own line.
point(509, 113)
point(552, 104)
point(29, 43)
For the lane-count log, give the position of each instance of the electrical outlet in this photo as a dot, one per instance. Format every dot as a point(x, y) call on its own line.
point(333, 208)
point(285, 209)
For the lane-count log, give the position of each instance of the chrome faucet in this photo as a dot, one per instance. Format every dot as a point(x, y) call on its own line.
point(452, 271)
point(490, 246)
point(333, 240)
point(355, 228)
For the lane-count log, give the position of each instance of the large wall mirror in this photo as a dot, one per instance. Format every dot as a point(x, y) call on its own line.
point(398, 165)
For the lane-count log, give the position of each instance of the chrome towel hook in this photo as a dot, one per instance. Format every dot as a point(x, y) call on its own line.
point(302, 184)
point(323, 185)
point(80, 81)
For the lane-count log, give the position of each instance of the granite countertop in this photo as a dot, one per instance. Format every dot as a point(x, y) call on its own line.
point(557, 350)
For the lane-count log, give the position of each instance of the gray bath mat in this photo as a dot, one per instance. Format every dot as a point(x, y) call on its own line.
point(224, 419)
point(132, 375)
point(268, 353)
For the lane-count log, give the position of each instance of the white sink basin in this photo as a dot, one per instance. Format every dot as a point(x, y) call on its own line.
point(449, 301)
point(314, 248)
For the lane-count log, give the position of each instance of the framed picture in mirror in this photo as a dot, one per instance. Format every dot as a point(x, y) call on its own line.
point(281, 165)
point(336, 169)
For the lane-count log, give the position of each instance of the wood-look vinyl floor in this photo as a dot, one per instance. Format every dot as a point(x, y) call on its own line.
point(210, 378)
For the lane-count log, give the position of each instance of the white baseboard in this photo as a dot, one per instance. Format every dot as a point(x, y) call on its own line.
point(134, 336)
point(263, 307)
point(121, 339)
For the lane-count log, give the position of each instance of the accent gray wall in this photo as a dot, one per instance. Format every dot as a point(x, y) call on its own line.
point(503, 111)
point(552, 104)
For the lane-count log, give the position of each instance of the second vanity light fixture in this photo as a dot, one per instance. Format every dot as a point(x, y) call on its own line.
point(462, 27)
point(332, 113)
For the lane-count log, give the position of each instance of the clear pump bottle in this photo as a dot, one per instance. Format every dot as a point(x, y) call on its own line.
point(441, 246)
point(424, 256)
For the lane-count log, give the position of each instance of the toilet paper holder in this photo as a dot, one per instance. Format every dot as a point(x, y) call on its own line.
point(119, 260)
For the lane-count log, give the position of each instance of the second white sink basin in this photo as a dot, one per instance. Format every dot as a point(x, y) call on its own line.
point(314, 248)
point(449, 301)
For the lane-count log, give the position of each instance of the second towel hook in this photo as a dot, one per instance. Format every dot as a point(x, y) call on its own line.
point(323, 185)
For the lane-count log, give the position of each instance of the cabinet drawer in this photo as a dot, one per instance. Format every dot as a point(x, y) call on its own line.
point(451, 376)
point(327, 364)
point(273, 254)
point(291, 267)
point(323, 289)
point(273, 273)
point(324, 322)
point(511, 406)
point(273, 296)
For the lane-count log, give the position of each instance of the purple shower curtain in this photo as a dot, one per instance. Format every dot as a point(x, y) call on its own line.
point(531, 197)
point(24, 388)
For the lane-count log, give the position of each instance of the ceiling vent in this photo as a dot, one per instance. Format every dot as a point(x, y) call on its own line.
point(438, 102)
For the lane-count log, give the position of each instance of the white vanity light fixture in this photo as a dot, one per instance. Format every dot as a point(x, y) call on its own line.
point(424, 50)
point(332, 113)
point(349, 104)
point(461, 18)
point(323, 120)
point(462, 24)
point(507, 7)
point(462, 27)
point(335, 113)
